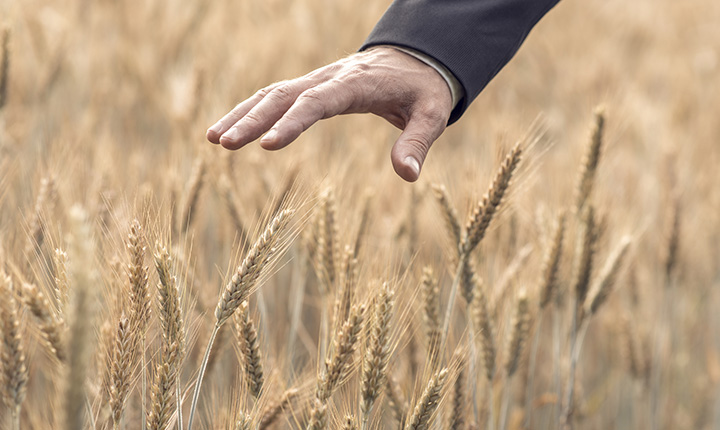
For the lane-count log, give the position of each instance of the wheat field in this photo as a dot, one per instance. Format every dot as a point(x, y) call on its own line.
point(555, 266)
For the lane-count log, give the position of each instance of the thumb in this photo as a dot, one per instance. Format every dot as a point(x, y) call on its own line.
point(409, 152)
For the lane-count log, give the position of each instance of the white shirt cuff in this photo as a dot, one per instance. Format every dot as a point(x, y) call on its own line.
point(456, 90)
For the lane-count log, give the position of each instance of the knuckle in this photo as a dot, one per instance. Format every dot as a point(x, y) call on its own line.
point(264, 91)
point(282, 92)
point(251, 119)
point(358, 72)
point(312, 95)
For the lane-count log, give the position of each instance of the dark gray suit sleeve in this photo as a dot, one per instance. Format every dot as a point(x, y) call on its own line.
point(473, 39)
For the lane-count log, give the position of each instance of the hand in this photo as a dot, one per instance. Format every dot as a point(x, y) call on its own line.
point(384, 81)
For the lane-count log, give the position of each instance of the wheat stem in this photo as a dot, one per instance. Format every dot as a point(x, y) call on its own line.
point(203, 366)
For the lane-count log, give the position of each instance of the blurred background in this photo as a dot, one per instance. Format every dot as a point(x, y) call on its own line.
point(112, 98)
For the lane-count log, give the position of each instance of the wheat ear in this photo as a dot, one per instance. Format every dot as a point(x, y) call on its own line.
point(375, 363)
point(259, 256)
point(140, 303)
point(449, 214)
point(13, 366)
point(318, 415)
point(548, 294)
point(519, 335)
point(431, 306)
point(457, 415)
point(347, 284)
point(480, 218)
point(4, 65)
point(231, 202)
point(197, 179)
point(51, 327)
point(427, 404)
point(43, 203)
point(249, 350)
point(62, 284)
point(585, 256)
point(248, 273)
point(591, 159)
point(517, 340)
point(272, 412)
point(396, 400)
point(326, 241)
point(243, 422)
point(121, 368)
point(551, 263)
point(173, 343)
point(601, 290)
point(344, 346)
point(672, 241)
point(364, 223)
point(349, 423)
point(483, 324)
point(78, 340)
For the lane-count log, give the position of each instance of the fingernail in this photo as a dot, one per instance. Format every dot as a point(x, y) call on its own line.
point(413, 164)
point(215, 128)
point(230, 136)
point(269, 136)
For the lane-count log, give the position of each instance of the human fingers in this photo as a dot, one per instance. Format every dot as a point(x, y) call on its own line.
point(409, 152)
point(264, 114)
point(214, 133)
point(323, 101)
